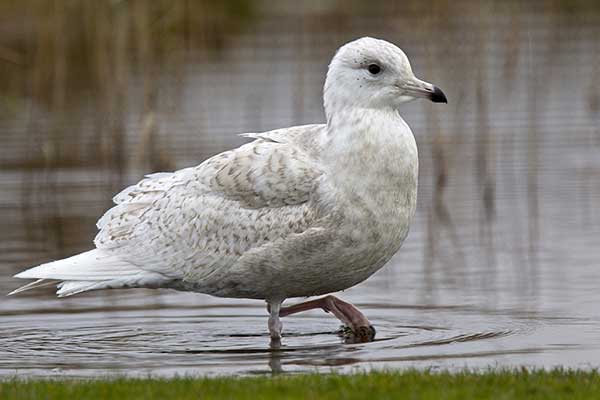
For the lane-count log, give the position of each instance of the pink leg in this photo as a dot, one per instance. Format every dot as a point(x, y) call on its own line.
point(345, 312)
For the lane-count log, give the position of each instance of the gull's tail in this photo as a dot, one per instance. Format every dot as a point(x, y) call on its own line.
point(91, 270)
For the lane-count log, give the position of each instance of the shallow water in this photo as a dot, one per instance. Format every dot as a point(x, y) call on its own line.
point(501, 267)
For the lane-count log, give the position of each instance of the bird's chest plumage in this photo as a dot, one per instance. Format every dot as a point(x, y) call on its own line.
point(375, 222)
point(376, 187)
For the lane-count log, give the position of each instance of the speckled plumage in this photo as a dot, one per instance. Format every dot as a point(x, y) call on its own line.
point(298, 211)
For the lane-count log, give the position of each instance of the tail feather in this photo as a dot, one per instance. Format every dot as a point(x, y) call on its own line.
point(91, 270)
point(70, 288)
point(93, 265)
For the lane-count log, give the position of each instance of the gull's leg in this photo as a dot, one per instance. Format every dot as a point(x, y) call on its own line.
point(275, 325)
point(345, 312)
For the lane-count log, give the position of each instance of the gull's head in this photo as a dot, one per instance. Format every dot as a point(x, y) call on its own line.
point(373, 73)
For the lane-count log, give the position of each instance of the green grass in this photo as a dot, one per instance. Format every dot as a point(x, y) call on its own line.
point(557, 384)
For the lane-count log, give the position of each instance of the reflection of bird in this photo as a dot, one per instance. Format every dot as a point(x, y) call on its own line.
point(299, 211)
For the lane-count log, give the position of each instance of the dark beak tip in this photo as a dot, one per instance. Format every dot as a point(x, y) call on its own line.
point(438, 96)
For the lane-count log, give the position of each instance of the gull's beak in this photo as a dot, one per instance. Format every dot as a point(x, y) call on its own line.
point(418, 88)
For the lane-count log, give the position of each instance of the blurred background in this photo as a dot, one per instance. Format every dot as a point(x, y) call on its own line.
point(95, 94)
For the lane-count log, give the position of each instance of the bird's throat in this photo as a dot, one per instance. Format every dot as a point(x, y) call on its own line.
point(371, 150)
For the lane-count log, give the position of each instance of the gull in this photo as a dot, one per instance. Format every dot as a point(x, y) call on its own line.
point(297, 212)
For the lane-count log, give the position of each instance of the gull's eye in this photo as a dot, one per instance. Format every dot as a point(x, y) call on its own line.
point(374, 69)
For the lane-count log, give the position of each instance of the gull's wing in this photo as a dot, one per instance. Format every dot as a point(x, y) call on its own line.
point(201, 219)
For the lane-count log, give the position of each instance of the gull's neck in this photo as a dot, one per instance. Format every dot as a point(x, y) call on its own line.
point(372, 162)
point(366, 141)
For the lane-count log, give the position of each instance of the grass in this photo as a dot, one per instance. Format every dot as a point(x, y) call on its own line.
point(556, 384)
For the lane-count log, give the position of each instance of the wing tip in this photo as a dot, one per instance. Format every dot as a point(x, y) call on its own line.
point(31, 285)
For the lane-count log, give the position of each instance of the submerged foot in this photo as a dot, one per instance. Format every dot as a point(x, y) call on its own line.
point(362, 334)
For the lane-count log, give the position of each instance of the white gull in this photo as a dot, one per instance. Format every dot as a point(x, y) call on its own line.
point(299, 211)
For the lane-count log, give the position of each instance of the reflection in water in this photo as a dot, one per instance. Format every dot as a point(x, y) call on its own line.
point(500, 267)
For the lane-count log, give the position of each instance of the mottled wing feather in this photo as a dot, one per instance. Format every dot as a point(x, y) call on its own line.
point(200, 220)
point(266, 174)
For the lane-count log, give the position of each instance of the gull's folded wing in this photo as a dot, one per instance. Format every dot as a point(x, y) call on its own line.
point(200, 219)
